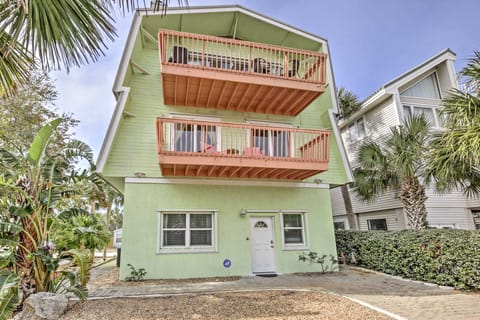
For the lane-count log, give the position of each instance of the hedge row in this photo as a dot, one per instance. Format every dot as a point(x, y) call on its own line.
point(444, 257)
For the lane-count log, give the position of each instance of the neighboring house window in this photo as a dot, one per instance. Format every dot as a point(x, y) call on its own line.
point(293, 228)
point(357, 130)
point(430, 113)
point(192, 231)
point(339, 225)
point(377, 224)
point(425, 88)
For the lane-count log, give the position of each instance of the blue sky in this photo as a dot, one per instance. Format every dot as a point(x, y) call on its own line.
point(371, 42)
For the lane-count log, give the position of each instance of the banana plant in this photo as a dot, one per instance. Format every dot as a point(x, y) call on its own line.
point(30, 186)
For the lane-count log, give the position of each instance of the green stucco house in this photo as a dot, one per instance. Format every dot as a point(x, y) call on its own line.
point(223, 142)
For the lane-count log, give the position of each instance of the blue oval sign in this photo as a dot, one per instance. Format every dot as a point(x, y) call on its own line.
point(227, 263)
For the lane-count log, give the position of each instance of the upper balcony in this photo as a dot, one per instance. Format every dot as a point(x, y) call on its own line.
point(214, 72)
point(234, 150)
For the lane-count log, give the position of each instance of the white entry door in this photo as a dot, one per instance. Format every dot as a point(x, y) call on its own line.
point(263, 246)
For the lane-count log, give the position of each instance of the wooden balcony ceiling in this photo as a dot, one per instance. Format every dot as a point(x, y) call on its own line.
point(183, 86)
point(219, 167)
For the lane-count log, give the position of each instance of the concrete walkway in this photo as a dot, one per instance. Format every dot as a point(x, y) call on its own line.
point(400, 299)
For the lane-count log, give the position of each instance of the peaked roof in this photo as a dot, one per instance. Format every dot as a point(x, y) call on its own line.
point(387, 89)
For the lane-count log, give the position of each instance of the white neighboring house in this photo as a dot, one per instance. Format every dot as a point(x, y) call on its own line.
point(419, 90)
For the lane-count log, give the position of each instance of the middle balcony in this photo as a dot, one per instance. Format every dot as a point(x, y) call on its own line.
point(234, 150)
point(221, 73)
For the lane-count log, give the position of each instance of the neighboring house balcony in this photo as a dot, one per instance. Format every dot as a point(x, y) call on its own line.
point(221, 73)
point(234, 150)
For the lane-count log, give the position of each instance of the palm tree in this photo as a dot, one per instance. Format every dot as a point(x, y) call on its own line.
point(56, 34)
point(399, 163)
point(455, 160)
point(348, 103)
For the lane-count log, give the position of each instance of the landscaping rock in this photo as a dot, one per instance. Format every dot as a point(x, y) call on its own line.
point(43, 306)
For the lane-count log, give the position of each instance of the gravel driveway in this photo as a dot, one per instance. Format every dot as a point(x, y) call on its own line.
point(255, 304)
point(280, 304)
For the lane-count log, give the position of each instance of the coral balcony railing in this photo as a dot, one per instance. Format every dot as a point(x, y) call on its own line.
point(216, 72)
point(219, 149)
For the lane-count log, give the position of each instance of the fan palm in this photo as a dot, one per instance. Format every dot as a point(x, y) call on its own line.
point(348, 102)
point(55, 34)
point(455, 160)
point(397, 163)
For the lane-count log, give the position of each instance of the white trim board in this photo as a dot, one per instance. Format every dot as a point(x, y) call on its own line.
point(239, 183)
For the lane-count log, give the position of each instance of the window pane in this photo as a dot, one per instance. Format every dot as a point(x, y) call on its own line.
point(427, 88)
point(280, 143)
point(174, 238)
point(428, 113)
point(292, 220)
point(201, 238)
point(206, 135)
point(377, 224)
point(260, 140)
point(361, 128)
point(340, 225)
point(174, 221)
point(353, 132)
point(184, 137)
point(293, 236)
point(407, 113)
point(200, 221)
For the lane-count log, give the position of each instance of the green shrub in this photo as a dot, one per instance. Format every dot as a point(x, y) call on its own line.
point(444, 257)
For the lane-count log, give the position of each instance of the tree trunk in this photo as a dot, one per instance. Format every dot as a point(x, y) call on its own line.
point(412, 194)
point(351, 217)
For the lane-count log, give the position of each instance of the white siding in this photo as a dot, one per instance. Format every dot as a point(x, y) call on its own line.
point(388, 200)
point(338, 205)
point(377, 122)
point(456, 218)
point(393, 218)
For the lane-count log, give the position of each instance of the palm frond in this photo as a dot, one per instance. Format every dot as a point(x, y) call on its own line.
point(15, 63)
point(374, 175)
point(61, 33)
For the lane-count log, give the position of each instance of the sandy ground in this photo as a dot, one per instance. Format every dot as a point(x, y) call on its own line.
point(279, 304)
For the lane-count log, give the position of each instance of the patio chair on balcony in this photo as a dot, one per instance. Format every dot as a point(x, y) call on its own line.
point(260, 65)
point(180, 55)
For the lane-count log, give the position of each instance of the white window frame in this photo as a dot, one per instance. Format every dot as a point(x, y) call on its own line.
point(295, 246)
point(355, 124)
point(218, 129)
point(187, 248)
point(291, 139)
point(436, 115)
